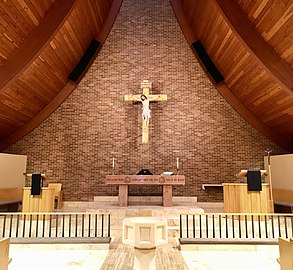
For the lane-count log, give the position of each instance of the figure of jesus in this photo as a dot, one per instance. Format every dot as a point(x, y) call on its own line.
point(146, 112)
point(145, 98)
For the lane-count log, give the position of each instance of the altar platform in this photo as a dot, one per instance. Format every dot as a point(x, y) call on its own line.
point(146, 206)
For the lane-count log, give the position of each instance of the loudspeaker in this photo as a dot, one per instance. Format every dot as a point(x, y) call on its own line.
point(36, 184)
point(84, 62)
point(207, 61)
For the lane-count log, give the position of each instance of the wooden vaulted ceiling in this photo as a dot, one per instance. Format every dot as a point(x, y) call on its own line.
point(250, 42)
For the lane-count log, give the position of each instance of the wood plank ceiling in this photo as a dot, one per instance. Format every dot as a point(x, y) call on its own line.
point(250, 42)
point(40, 44)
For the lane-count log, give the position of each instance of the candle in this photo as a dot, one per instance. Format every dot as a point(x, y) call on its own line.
point(177, 163)
point(113, 163)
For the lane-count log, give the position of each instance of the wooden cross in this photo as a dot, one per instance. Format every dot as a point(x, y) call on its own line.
point(145, 99)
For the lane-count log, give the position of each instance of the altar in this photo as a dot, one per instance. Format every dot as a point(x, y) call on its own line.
point(167, 181)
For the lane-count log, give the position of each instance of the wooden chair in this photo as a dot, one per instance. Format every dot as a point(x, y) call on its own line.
point(4, 253)
point(286, 253)
point(58, 192)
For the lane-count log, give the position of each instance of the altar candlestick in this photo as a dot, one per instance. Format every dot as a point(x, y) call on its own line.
point(113, 163)
point(178, 163)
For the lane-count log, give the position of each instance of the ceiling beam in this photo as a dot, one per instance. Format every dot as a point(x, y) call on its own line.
point(265, 55)
point(107, 26)
point(28, 52)
point(39, 117)
point(183, 23)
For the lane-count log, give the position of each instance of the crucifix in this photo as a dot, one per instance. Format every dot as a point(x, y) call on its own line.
point(145, 99)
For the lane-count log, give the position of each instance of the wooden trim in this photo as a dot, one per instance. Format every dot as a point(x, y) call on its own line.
point(107, 26)
point(36, 42)
point(38, 118)
point(255, 43)
point(252, 120)
point(184, 25)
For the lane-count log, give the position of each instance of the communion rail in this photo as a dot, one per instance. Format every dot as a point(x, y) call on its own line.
point(234, 228)
point(93, 227)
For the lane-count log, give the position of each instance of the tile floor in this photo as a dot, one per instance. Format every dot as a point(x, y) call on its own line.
point(36, 257)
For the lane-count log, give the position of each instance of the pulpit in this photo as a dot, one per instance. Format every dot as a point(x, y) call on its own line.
point(167, 181)
point(38, 203)
point(239, 198)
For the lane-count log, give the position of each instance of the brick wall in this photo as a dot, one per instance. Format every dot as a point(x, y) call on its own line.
point(76, 144)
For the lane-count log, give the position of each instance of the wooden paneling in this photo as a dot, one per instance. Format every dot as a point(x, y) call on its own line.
point(241, 40)
point(274, 21)
point(36, 71)
point(237, 199)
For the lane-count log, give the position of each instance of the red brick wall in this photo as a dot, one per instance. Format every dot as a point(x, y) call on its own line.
point(76, 144)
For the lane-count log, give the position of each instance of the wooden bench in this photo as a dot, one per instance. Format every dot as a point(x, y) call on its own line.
point(286, 253)
point(10, 205)
point(4, 253)
point(10, 199)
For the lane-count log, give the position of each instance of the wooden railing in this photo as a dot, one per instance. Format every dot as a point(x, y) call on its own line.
point(50, 227)
point(242, 227)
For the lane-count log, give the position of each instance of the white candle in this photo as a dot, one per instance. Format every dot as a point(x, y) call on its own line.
point(177, 163)
point(113, 163)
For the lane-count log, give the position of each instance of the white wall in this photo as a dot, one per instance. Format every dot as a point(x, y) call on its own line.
point(12, 168)
point(281, 171)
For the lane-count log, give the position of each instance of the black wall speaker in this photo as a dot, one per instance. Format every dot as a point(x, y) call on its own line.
point(84, 62)
point(207, 61)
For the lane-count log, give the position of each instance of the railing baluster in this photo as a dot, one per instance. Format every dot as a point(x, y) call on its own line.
point(200, 228)
point(220, 226)
point(89, 234)
point(96, 225)
point(37, 225)
point(233, 229)
point(273, 229)
point(213, 226)
point(56, 234)
point(246, 229)
point(252, 224)
point(286, 232)
point(30, 228)
point(63, 224)
point(50, 225)
point(69, 226)
point(17, 225)
point(4, 226)
point(266, 226)
point(76, 218)
point(227, 232)
point(193, 225)
point(187, 229)
point(102, 225)
point(239, 224)
point(207, 226)
point(279, 226)
point(291, 226)
point(23, 227)
point(10, 228)
point(44, 224)
point(259, 227)
point(82, 226)
point(109, 224)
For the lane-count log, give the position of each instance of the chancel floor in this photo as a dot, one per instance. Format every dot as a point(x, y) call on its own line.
point(119, 256)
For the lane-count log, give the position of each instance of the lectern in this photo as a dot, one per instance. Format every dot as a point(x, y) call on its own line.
point(239, 199)
point(38, 199)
